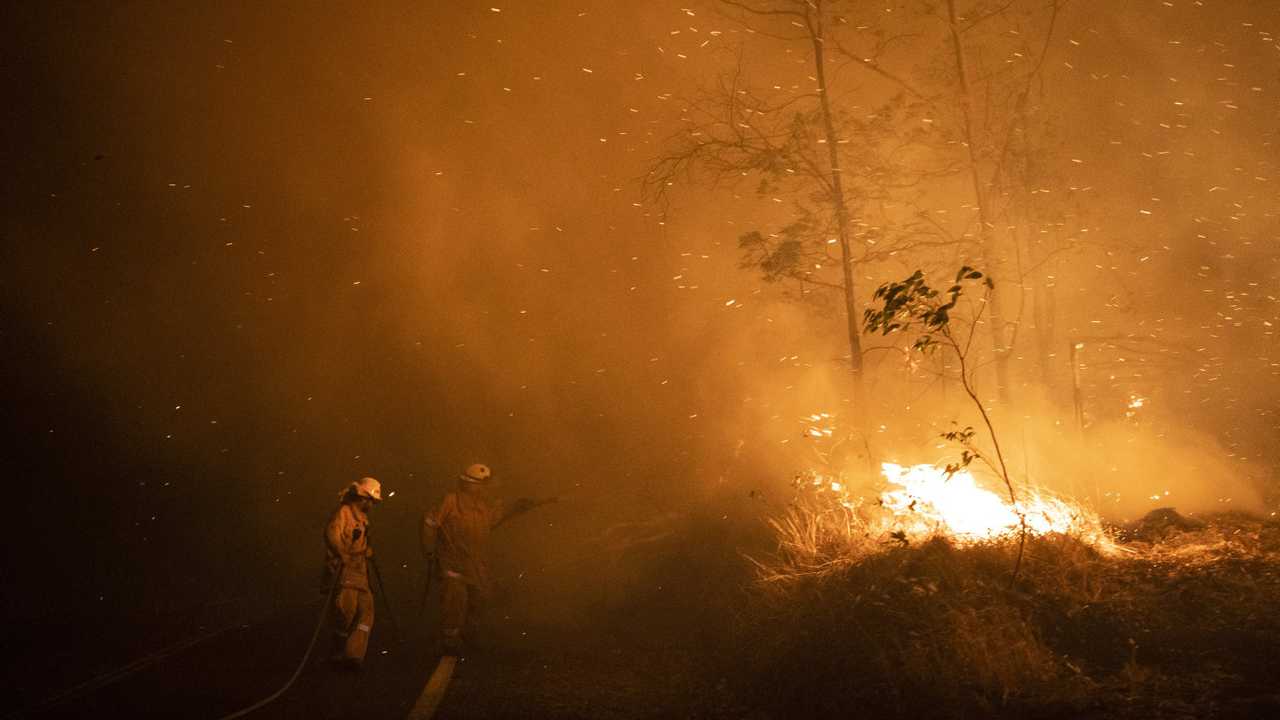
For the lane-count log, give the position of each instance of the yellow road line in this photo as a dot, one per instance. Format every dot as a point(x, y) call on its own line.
point(433, 693)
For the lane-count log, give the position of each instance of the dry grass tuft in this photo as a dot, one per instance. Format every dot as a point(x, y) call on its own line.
point(843, 619)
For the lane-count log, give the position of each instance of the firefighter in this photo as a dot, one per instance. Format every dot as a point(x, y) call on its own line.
point(347, 543)
point(455, 539)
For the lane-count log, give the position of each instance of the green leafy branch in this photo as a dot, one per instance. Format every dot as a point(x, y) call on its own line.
point(913, 305)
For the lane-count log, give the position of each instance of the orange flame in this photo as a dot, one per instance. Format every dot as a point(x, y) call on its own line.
point(925, 502)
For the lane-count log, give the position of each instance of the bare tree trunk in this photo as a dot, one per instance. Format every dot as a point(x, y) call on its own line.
point(990, 247)
point(1043, 308)
point(814, 20)
point(1045, 312)
point(1077, 395)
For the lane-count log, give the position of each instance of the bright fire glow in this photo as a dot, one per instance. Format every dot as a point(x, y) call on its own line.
point(926, 501)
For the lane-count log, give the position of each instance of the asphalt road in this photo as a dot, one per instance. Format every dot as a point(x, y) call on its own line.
point(240, 666)
point(645, 643)
point(553, 672)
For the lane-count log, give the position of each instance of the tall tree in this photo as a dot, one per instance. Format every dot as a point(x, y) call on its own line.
point(989, 139)
point(797, 145)
point(923, 127)
point(983, 88)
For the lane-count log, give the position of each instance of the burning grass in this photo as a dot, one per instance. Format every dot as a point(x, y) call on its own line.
point(1176, 620)
point(826, 527)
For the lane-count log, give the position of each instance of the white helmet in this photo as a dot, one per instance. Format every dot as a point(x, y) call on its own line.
point(368, 487)
point(477, 473)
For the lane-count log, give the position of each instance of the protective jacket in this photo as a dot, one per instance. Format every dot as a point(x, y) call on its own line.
point(458, 531)
point(347, 543)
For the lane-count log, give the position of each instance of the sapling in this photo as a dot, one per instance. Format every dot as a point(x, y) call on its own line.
point(913, 305)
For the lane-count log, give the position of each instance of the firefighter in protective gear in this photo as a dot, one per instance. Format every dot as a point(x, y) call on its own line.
point(347, 544)
point(456, 536)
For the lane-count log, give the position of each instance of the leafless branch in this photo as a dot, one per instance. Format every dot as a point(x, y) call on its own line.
point(762, 11)
point(983, 18)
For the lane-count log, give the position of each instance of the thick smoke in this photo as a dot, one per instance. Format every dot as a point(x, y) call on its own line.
point(259, 252)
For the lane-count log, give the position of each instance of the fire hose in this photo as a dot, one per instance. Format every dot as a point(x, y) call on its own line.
point(306, 656)
point(442, 681)
point(386, 601)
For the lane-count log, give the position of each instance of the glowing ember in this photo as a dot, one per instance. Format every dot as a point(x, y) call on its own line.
point(1135, 404)
point(927, 502)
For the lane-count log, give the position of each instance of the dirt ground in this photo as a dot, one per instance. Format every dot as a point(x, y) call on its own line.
point(1187, 626)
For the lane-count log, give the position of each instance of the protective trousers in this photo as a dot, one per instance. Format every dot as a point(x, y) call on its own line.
point(457, 598)
point(353, 621)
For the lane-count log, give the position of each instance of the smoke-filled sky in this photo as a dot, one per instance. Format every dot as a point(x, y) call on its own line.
point(254, 251)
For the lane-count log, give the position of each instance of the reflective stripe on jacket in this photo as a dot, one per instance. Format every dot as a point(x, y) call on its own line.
point(461, 525)
point(347, 542)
